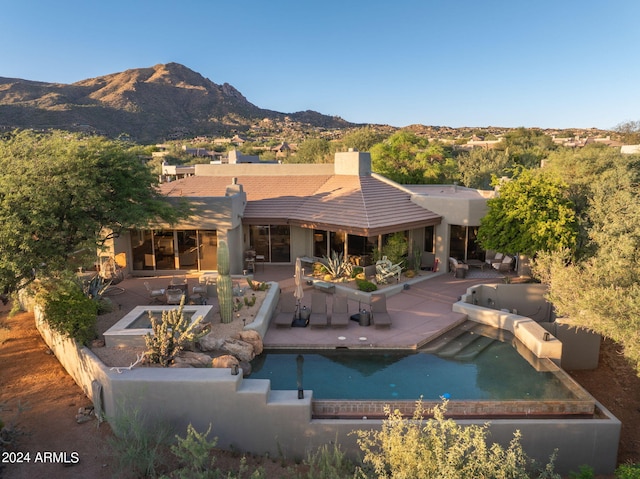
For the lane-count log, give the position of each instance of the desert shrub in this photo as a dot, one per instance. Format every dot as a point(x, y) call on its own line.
point(357, 270)
point(395, 249)
point(67, 310)
point(194, 454)
point(365, 285)
point(441, 448)
point(171, 334)
point(329, 462)
point(139, 446)
point(628, 471)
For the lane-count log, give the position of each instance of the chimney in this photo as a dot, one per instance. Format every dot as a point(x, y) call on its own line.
point(352, 162)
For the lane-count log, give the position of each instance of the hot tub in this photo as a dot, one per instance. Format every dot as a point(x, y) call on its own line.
point(131, 329)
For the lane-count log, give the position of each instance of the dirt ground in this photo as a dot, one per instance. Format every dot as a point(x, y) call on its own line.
point(41, 401)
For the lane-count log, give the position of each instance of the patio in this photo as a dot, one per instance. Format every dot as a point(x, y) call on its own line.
point(419, 313)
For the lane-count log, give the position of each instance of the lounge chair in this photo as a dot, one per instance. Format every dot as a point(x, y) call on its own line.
point(340, 311)
point(284, 317)
point(379, 314)
point(318, 317)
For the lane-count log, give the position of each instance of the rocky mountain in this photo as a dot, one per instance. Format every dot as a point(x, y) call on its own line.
point(147, 104)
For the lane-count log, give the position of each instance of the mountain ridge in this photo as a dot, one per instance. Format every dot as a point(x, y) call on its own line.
point(146, 104)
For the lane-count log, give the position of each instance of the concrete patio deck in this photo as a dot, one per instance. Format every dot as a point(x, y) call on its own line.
point(422, 312)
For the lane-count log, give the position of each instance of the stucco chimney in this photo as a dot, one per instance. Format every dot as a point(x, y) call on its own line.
point(352, 162)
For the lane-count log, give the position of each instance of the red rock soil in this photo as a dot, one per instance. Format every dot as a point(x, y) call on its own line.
point(42, 401)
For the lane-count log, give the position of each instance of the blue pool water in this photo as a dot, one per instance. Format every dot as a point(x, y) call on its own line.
point(497, 373)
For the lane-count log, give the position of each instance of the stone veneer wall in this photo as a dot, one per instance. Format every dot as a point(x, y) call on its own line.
point(247, 415)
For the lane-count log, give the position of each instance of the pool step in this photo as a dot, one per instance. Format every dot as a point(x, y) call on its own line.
point(456, 346)
point(476, 347)
point(441, 341)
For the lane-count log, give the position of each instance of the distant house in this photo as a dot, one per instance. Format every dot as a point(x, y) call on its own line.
point(285, 211)
point(630, 149)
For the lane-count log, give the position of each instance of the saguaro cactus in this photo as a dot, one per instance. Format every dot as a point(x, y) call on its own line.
point(225, 287)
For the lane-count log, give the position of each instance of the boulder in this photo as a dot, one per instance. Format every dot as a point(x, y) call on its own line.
point(252, 337)
point(240, 349)
point(209, 342)
point(190, 359)
point(226, 361)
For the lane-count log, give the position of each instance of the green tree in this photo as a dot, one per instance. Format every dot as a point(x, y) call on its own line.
point(531, 213)
point(408, 159)
point(601, 290)
point(312, 150)
point(478, 167)
point(362, 139)
point(61, 192)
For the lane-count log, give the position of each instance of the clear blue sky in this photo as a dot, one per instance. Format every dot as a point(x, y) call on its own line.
point(544, 63)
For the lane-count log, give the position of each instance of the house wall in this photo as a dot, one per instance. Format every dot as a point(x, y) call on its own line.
point(454, 210)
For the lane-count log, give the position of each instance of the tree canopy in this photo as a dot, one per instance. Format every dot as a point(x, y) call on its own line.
point(531, 213)
point(408, 159)
point(62, 192)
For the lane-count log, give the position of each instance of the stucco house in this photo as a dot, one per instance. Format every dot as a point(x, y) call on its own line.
point(285, 211)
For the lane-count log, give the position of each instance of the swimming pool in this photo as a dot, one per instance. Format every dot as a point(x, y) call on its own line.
point(478, 369)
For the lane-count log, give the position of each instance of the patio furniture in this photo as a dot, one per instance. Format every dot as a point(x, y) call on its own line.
point(285, 316)
point(154, 294)
point(174, 295)
point(379, 315)
point(458, 268)
point(428, 261)
point(199, 294)
point(504, 265)
point(476, 263)
point(340, 311)
point(318, 317)
point(386, 270)
point(493, 258)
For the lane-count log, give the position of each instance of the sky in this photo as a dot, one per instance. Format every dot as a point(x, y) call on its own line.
point(508, 63)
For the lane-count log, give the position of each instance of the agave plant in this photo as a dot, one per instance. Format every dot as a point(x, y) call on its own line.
point(335, 265)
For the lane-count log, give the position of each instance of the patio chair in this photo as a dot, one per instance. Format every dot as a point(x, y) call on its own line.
point(199, 294)
point(458, 268)
point(340, 311)
point(174, 296)
point(318, 317)
point(154, 294)
point(284, 318)
point(504, 265)
point(379, 314)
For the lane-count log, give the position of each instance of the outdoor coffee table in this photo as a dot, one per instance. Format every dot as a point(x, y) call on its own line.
point(476, 263)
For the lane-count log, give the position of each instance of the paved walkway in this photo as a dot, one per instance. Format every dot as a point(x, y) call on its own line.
point(418, 314)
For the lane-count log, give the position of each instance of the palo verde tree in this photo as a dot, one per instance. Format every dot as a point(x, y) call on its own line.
point(62, 192)
point(531, 213)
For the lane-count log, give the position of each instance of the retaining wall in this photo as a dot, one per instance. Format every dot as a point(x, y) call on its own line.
point(247, 415)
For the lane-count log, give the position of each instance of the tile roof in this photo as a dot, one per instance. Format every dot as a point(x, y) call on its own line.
point(362, 205)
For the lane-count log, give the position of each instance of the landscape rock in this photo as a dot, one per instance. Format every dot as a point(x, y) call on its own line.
point(209, 342)
point(190, 359)
point(240, 349)
point(252, 337)
point(225, 361)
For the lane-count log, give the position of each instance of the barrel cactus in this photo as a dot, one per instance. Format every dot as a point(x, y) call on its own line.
point(225, 286)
